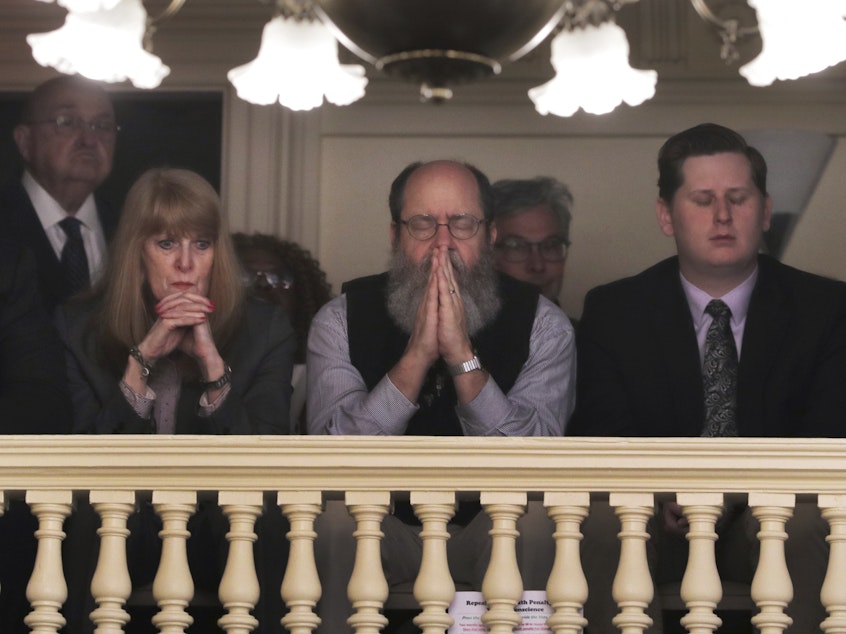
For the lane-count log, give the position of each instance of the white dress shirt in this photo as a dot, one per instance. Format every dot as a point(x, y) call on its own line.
point(50, 213)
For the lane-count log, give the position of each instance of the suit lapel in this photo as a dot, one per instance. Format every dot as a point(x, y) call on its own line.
point(677, 351)
point(24, 224)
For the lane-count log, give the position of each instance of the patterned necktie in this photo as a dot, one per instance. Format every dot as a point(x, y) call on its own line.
point(719, 373)
point(74, 261)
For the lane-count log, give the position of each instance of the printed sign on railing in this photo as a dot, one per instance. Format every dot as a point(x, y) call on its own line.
point(467, 609)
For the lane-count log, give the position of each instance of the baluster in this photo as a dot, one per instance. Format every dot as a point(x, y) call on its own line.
point(47, 590)
point(368, 588)
point(701, 588)
point(632, 589)
point(502, 586)
point(772, 589)
point(567, 588)
point(434, 588)
point(239, 586)
point(111, 585)
point(301, 584)
point(833, 592)
point(173, 587)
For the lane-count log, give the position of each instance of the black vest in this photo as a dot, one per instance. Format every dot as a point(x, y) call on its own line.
point(377, 343)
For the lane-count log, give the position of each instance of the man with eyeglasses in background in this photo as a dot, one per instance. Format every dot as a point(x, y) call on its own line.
point(66, 141)
point(439, 345)
point(532, 218)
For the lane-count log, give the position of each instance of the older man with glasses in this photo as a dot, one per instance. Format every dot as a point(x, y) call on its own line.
point(440, 345)
point(532, 219)
point(66, 141)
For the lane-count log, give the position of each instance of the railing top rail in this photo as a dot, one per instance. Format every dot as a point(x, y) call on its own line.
point(325, 463)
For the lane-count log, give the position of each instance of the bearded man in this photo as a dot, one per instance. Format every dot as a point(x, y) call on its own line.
point(440, 345)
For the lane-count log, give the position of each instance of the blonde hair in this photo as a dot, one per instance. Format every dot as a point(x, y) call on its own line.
point(176, 202)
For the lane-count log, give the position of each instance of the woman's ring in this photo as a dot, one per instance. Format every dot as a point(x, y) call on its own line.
point(452, 291)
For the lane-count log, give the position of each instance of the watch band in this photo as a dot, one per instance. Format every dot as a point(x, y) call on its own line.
point(216, 385)
point(467, 366)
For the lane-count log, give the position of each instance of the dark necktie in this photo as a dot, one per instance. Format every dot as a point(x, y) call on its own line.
point(74, 261)
point(719, 373)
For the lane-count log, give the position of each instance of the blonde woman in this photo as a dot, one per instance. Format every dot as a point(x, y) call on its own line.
point(167, 342)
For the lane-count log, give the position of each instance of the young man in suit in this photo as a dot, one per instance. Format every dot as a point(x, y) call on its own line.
point(648, 362)
point(66, 140)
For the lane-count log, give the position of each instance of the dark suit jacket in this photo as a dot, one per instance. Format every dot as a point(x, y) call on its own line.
point(261, 357)
point(639, 370)
point(33, 389)
point(21, 223)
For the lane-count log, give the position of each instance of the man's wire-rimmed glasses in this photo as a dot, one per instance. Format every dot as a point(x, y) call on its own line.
point(513, 249)
point(460, 227)
point(69, 125)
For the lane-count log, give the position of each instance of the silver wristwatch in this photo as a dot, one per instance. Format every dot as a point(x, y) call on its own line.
point(467, 366)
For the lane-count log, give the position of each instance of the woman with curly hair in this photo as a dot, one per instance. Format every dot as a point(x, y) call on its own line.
point(282, 272)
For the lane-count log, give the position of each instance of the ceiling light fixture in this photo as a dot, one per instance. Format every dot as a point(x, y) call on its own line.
point(439, 44)
point(104, 40)
point(297, 64)
point(591, 60)
point(796, 41)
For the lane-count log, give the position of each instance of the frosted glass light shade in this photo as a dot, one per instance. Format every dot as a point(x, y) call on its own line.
point(593, 73)
point(799, 38)
point(297, 65)
point(102, 44)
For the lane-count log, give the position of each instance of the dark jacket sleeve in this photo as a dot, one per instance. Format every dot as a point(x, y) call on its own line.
point(33, 390)
point(261, 358)
point(262, 363)
point(602, 403)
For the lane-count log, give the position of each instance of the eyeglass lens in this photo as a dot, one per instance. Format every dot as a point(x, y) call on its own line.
point(67, 125)
point(519, 250)
point(460, 227)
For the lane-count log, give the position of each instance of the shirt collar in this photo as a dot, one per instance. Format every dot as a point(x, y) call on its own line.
point(737, 299)
point(49, 211)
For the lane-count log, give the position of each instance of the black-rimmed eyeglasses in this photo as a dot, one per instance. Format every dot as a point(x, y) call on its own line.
point(461, 227)
point(68, 125)
point(518, 250)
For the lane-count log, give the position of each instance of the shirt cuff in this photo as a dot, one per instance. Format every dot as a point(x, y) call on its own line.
point(207, 408)
point(141, 404)
point(481, 416)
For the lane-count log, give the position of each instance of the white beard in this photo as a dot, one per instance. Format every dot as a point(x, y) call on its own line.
point(478, 285)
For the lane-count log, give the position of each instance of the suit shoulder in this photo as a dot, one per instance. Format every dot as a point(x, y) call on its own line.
point(635, 287)
point(803, 287)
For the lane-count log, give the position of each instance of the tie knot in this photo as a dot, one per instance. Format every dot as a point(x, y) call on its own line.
point(71, 227)
point(718, 308)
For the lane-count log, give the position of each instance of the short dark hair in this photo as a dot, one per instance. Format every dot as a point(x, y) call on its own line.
point(705, 139)
point(396, 198)
point(511, 196)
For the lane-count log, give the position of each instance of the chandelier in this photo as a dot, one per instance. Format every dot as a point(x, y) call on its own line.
point(440, 44)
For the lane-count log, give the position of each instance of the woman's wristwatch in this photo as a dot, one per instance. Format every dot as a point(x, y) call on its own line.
point(223, 380)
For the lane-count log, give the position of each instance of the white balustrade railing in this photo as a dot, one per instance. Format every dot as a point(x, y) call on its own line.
point(299, 473)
